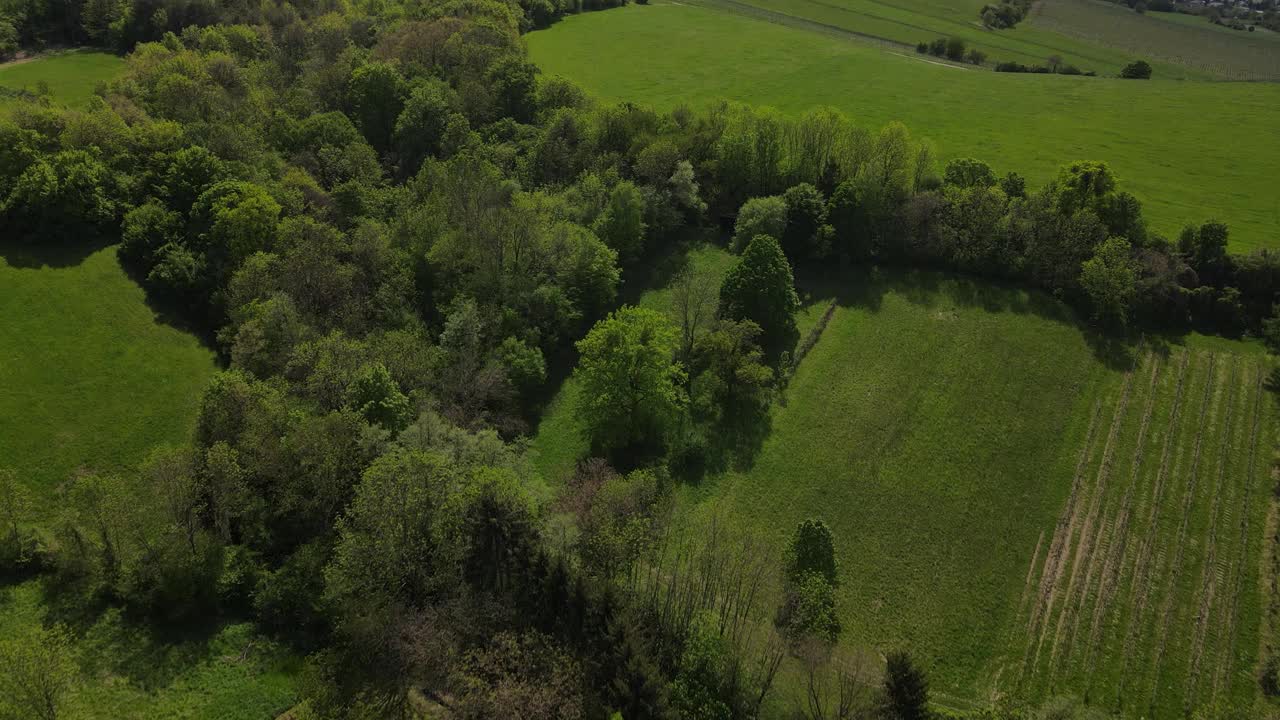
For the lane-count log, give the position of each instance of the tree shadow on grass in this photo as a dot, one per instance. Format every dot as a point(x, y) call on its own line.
point(1272, 383)
point(659, 272)
point(150, 654)
point(70, 254)
point(731, 443)
point(864, 287)
point(54, 254)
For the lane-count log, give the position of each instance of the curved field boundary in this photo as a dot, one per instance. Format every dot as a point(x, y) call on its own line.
point(778, 18)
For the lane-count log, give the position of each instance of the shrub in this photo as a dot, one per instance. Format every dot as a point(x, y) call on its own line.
point(1136, 70)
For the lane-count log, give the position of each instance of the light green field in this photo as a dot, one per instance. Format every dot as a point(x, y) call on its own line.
point(89, 379)
point(1189, 150)
point(939, 427)
point(127, 672)
point(909, 22)
point(1211, 49)
point(70, 76)
point(1260, 33)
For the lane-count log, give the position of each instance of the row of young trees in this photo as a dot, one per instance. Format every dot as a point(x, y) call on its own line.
point(395, 231)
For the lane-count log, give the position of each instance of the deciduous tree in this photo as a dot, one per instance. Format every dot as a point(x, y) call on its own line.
point(759, 287)
point(631, 396)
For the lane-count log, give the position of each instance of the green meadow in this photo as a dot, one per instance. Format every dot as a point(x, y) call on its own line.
point(973, 448)
point(908, 22)
point(71, 77)
point(1189, 150)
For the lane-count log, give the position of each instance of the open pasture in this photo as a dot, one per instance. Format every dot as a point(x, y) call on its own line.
point(908, 22)
point(1188, 150)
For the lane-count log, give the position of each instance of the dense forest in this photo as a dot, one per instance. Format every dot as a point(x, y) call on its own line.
point(399, 234)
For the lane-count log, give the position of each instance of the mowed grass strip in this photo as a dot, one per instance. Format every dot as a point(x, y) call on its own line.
point(71, 77)
point(1158, 135)
point(90, 380)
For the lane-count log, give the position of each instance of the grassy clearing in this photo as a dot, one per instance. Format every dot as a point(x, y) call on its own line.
point(1205, 47)
point(934, 422)
point(1023, 514)
point(70, 76)
point(1157, 135)
point(89, 378)
point(128, 672)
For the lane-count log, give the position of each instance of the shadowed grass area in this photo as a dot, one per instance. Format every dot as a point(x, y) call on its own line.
point(129, 671)
point(1156, 135)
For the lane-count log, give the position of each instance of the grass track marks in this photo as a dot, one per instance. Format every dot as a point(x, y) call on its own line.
point(1084, 548)
point(1031, 573)
point(1055, 559)
point(1210, 575)
point(1142, 565)
point(1119, 543)
point(1224, 661)
point(1171, 588)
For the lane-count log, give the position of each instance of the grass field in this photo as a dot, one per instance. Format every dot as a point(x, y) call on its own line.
point(1189, 150)
point(1202, 46)
point(88, 377)
point(70, 76)
point(992, 480)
